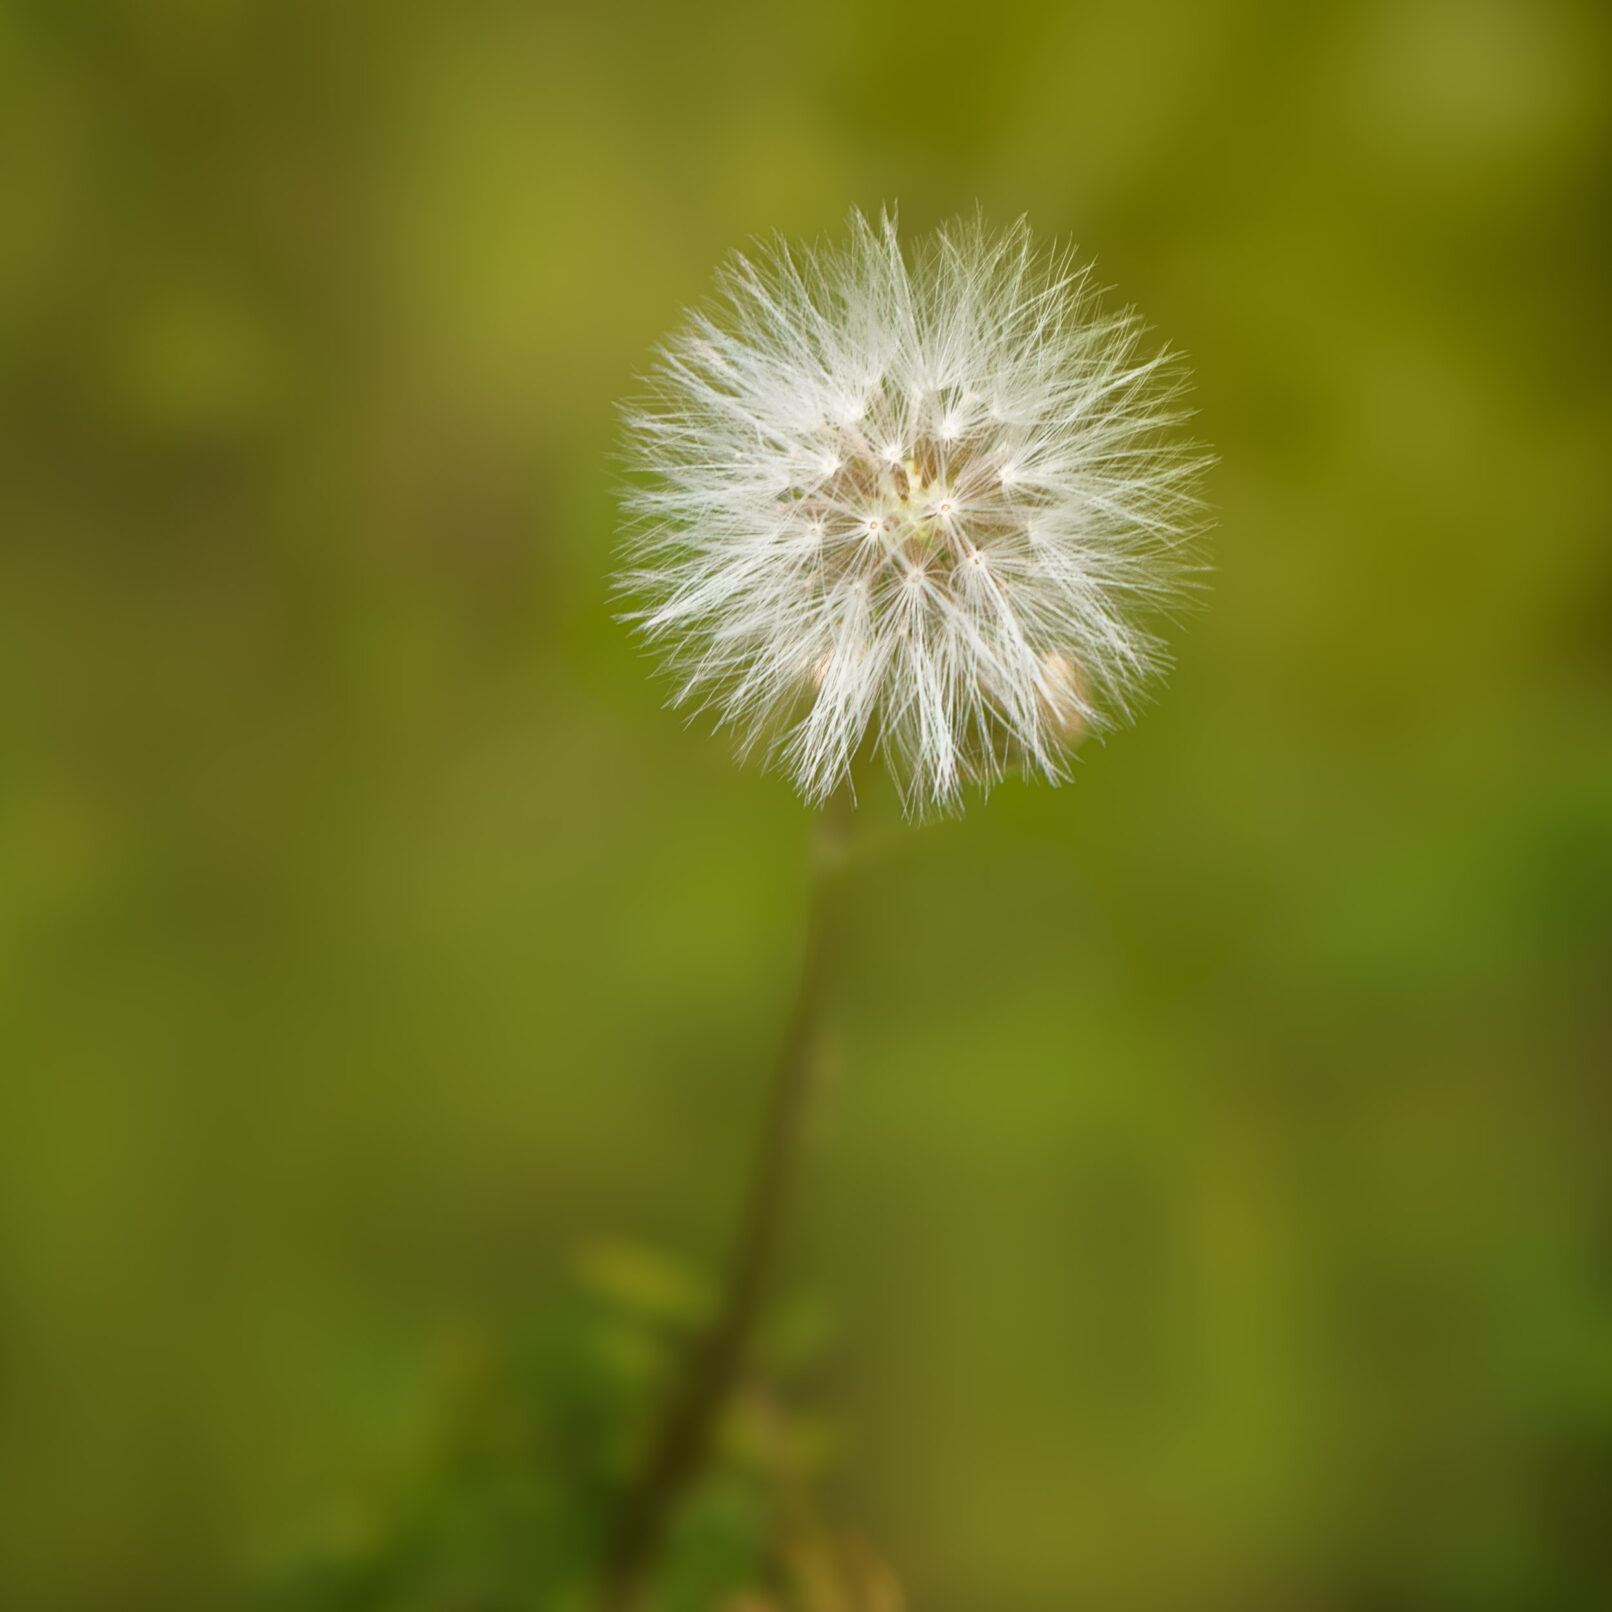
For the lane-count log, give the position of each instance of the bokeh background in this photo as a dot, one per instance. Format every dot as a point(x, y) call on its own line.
point(1210, 1203)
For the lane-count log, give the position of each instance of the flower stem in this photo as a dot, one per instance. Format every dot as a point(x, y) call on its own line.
point(717, 1357)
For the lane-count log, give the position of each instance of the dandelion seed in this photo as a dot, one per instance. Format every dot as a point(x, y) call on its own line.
point(973, 588)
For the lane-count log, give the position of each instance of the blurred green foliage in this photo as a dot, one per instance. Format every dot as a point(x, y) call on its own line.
point(1215, 1183)
point(540, 1432)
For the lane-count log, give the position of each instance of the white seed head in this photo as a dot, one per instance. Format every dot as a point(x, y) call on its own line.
point(931, 501)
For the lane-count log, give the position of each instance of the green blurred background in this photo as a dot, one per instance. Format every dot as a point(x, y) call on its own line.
point(1212, 1190)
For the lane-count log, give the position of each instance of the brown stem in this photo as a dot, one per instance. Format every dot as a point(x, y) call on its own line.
point(713, 1364)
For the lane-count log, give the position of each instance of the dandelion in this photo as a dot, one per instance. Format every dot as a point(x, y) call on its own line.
point(933, 501)
point(931, 504)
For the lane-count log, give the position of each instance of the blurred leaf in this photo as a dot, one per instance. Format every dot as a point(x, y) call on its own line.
point(645, 1282)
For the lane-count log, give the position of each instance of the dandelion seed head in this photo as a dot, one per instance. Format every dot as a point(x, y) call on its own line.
point(933, 501)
